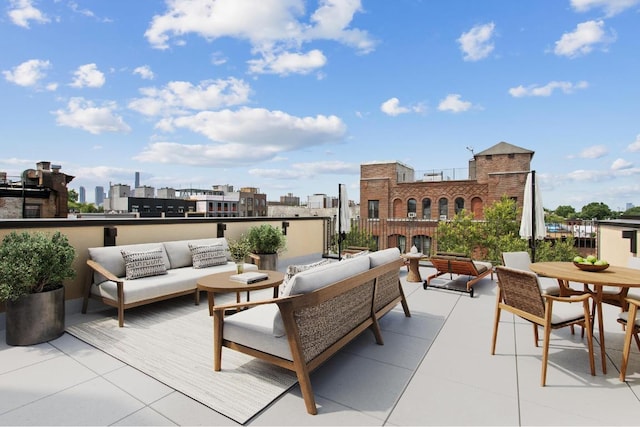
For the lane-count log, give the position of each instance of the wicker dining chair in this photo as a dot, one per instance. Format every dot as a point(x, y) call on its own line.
point(624, 318)
point(521, 260)
point(519, 293)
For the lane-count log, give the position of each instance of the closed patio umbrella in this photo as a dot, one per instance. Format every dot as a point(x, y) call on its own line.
point(532, 225)
point(343, 225)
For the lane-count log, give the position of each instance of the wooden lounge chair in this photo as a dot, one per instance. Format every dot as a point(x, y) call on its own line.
point(460, 265)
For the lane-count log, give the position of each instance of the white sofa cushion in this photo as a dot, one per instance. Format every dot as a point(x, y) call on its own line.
point(293, 269)
point(144, 263)
point(207, 255)
point(176, 280)
point(319, 277)
point(384, 256)
point(110, 257)
point(248, 327)
point(179, 253)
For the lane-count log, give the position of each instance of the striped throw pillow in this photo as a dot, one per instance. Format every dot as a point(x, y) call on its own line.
point(208, 255)
point(143, 264)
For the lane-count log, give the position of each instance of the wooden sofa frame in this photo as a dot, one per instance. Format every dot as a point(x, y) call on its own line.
point(460, 265)
point(120, 304)
point(322, 322)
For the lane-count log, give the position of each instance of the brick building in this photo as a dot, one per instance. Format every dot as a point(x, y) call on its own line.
point(390, 191)
point(40, 193)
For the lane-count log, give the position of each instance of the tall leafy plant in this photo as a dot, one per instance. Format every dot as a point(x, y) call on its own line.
point(30, 262)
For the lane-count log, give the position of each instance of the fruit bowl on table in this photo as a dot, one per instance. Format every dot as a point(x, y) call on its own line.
point(591, 267)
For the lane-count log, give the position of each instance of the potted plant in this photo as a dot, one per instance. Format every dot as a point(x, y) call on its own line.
point(266, 241)
point(33, 267)
point(239, 250)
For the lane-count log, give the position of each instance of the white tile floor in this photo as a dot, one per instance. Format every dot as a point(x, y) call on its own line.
point(434, 369)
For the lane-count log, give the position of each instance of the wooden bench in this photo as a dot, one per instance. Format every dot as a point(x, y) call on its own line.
point(459, 265)
point(316, 324)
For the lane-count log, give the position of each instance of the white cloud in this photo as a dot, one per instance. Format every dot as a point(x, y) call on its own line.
point(619, 164)
point(83, 114)
point(454, 104)
point(179, 97)
point(88, 75)
point(583, 39)
point(144, 71)
point(218, 58)
point(594, 152)
point(22, 11)
point(476, 44)
point(610, 7)
point(308, 170)
point(243, 137)
point(29, 73)
point(272, 27)
point(546, 90)
point(635, 145)
point(392, 107)
point(287, 63)
point(332, 19)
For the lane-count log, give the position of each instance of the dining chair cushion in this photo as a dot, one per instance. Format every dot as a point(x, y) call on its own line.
point(565, 313)
point(624, 316)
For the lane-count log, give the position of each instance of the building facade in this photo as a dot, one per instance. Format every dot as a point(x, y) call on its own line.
point(390, 191)
point(39, 193)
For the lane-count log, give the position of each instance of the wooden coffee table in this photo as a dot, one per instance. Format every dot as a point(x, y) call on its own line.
point(220, 282)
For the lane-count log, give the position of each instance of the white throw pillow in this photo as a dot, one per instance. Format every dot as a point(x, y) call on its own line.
point(143, 264)
point(208, 255)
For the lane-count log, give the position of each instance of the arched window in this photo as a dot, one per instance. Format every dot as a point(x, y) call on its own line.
point(426, 208)
point(459, 204)
point(412, 205)
point(443, 208)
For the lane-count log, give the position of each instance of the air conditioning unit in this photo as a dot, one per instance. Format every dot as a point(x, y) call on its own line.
point(411, 214)
point(443, 217)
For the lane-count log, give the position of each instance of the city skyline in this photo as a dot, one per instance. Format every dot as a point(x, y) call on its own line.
point(292, 96)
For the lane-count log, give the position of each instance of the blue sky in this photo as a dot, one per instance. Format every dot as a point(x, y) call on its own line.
point(292, 96)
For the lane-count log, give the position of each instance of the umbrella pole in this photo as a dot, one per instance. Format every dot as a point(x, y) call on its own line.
point(533, 216)
point(339, 222)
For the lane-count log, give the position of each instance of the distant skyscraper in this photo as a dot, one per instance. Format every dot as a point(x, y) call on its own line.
point(82, 195)
point(99, 195)
point(137, 183)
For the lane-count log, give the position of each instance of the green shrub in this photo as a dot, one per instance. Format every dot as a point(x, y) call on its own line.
point(31, 261)
point(266, 239)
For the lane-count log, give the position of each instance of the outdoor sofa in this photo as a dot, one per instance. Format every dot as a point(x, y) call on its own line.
point(319, 311)
point(132, 275)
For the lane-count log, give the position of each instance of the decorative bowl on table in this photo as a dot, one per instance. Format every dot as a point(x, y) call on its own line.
point(591, 267)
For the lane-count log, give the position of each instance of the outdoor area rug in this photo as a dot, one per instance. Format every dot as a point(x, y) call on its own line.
point(172, 341)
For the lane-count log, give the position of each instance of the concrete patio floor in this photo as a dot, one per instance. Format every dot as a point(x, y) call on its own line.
point(434, 369)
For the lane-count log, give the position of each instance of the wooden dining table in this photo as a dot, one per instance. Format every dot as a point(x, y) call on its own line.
point(566, 272)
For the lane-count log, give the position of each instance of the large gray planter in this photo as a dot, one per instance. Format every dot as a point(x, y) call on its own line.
point(35, 318)
point(269, 262)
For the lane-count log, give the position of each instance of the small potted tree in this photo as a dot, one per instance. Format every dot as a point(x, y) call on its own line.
point(266, 241)
point(33, 267)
